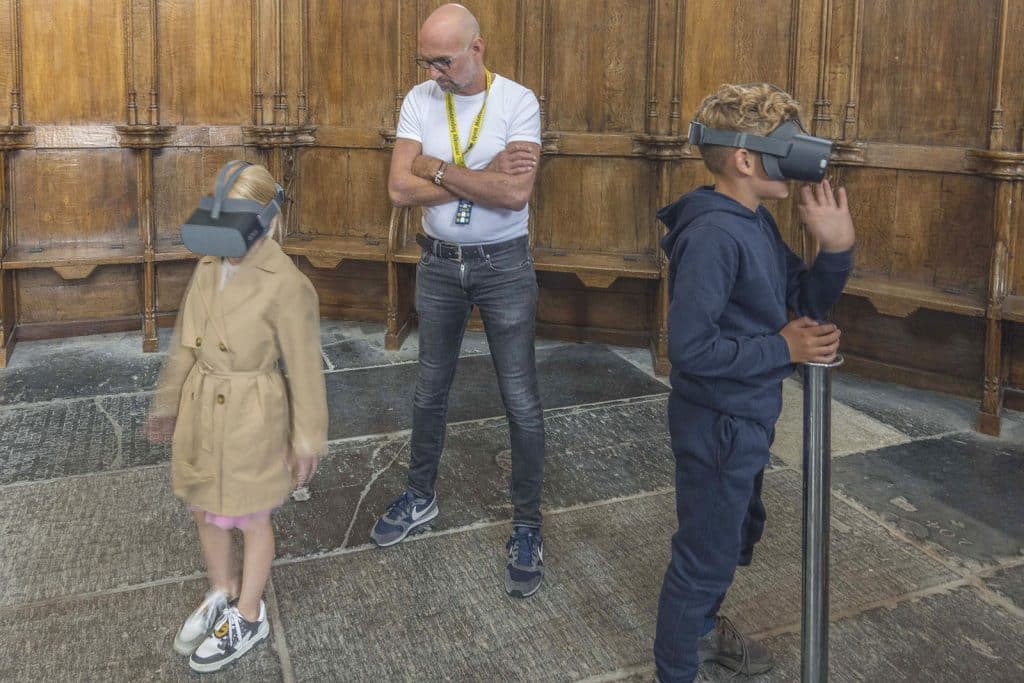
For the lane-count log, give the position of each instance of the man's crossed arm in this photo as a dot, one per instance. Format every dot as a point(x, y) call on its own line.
point(506, 183)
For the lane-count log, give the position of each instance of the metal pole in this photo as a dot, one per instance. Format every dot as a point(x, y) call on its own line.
point(817, 493)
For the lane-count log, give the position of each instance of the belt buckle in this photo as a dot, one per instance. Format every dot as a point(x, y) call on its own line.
point(448, 246)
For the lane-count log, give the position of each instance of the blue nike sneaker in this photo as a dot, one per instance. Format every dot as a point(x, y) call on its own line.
point(404, 514)
point(525, 569)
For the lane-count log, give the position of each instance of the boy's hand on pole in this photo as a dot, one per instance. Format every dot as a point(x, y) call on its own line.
point(810, 341)
point(827, 216)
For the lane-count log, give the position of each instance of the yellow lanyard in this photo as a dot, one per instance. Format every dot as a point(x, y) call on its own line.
point(458, 154)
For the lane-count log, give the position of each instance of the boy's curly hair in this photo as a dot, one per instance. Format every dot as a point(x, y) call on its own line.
point(756, 108)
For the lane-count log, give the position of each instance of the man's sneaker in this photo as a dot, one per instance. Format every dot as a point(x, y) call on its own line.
point(725, 645)
point(232, 637)
point(525, 568)
point(404, 514)
point(199, 623)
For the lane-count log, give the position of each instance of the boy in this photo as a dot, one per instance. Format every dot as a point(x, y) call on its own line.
point(731, 280)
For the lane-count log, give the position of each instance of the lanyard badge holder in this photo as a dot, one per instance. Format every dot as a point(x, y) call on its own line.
point(465, 209)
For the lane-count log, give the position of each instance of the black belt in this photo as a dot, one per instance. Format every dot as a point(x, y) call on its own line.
point(453, 251)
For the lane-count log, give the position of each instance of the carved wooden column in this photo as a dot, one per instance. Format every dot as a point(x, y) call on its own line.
point(13, 136)
point(1005, 168)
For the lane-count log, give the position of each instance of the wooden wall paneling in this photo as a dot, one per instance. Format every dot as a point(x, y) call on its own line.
point(171, 281)
point(107, 299)
point(618, 314)
point(916, 62)
point(90, 90)
point(8, 309)
point(207, 53)
point(356, 290)
point(932, 350)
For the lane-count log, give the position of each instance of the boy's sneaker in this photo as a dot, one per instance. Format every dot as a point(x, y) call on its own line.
point(199, 623)
point(525, 568)
point(725, 645)
point(404, 514)
point(232, 637)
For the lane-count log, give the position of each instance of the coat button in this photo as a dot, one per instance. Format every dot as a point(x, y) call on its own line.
point(223, 347)
point(199, 341)
point(220, 398)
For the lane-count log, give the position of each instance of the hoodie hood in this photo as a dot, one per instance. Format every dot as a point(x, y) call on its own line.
point(702, 203)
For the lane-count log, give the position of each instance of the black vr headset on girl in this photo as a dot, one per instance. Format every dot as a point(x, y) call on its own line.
point(788, 152)
point(224, 226)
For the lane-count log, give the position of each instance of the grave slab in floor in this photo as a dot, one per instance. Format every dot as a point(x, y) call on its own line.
point(952, 491)
point(1009, 582)
point(379, 400)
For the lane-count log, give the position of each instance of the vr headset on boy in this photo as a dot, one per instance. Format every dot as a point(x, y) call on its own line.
point(788, 152)
point(224, 226)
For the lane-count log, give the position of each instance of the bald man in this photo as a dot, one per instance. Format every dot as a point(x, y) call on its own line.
point(466, 151)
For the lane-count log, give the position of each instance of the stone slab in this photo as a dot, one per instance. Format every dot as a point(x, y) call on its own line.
point(853, 431)
point(567, 375)
point(954, 491)
point(595, 613)
point(62, 438)
point(115, 637)
point(1010, 583)
point(953, 637)
point(592, 454)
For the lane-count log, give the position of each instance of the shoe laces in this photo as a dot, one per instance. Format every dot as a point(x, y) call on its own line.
point(403, 504)
point(729, 629)
point(229, 631)
point(522, 546)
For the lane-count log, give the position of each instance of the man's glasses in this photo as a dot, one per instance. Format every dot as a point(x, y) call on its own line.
point(442, 64)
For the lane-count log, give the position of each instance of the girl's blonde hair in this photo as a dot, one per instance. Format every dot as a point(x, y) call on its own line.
point(757, 108)
point(256, 183)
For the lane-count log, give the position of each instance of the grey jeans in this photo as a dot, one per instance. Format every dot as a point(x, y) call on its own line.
point(500, 281)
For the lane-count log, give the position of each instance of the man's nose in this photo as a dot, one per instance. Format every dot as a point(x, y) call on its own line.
point(434, 72)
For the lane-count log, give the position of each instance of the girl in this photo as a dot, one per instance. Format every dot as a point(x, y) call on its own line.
point(244, 435)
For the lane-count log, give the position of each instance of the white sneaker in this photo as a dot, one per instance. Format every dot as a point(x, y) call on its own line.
point(232, 637)
point(199, 623)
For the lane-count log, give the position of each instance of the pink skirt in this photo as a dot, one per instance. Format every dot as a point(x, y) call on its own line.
point(228, 522)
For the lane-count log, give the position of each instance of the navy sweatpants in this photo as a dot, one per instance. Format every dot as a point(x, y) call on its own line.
point(720, 461)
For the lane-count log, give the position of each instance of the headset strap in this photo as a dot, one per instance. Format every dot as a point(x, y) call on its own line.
point(702, 135)
point(224, 183)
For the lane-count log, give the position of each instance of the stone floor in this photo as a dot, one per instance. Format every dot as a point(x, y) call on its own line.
point(99, 563)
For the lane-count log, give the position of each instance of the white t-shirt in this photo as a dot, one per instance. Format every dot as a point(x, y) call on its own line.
point(512, 114)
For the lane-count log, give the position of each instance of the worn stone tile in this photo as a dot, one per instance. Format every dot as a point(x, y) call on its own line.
point(954, 637)
point(958, 492)
point(379, 400)
point(115, 637)
point(57, 439)
point(867, 564)
point(852, 430)
point(914, 412)
point(592, 454)
point(77, 367)
point(595, 613)
point(91, 533)
point(1009, 582)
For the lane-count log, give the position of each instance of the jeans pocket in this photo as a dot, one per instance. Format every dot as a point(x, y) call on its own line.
point(509, 263)
point(426, 258)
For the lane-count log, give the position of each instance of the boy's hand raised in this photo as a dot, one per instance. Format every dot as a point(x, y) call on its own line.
point(810, 341)
point(827, 216)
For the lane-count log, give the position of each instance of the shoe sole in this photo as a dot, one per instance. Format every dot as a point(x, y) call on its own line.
point(401, 538)
point(737, 665)
point(515, 593)
point(186, 649)
point(212, 667)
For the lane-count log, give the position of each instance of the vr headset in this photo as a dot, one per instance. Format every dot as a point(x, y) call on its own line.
point(223, 226)
point(788, 152)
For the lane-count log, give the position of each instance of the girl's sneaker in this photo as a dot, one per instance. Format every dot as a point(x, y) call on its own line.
point(232, 637)
point(199, 623)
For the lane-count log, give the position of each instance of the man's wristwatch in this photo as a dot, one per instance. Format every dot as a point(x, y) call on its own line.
point(439, 174)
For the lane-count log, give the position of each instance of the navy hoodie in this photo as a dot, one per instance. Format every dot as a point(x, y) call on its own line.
point(731, 279)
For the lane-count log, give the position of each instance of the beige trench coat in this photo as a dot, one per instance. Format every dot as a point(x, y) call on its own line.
point(240, 422)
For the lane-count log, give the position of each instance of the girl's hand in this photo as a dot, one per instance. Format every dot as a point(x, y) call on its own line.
point(827, 216)
point(305, 468)
point(159, 428)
